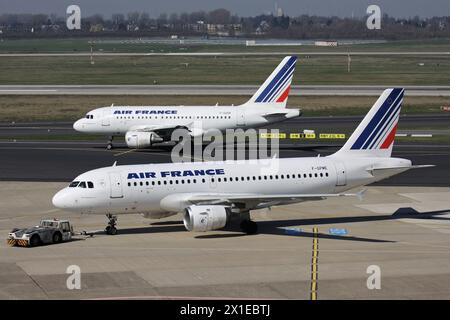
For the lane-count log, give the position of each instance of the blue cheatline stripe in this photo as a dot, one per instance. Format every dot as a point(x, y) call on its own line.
point(375, 119)
point(387, 126)
point(280, 83)
point(383, 122)
point(276, 78)
point(287, 78)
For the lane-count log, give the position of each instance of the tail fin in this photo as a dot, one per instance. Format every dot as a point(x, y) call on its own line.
point(275, 89)
point(375, 135)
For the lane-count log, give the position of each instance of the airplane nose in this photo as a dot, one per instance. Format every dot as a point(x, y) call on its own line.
point(78, 126)
point(60, 199)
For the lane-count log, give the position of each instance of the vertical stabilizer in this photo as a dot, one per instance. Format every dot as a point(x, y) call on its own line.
point(374, 137)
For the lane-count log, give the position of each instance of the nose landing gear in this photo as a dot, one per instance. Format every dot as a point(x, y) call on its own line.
point(111, 227)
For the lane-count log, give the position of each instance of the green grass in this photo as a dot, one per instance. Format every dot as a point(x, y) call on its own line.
point(316, 70)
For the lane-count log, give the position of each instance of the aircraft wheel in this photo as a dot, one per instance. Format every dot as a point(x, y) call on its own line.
point(111, 230)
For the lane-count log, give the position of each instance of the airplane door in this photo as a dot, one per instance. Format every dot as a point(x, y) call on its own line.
point(341, 179)
point(116, 185)
point(105, 118)
point(240, 113)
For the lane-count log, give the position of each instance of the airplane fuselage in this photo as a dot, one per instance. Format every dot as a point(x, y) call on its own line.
point(119, 120)
point(153, 189)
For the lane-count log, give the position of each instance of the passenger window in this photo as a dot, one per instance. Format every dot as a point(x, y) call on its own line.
point(326, 174)
point(315, 175)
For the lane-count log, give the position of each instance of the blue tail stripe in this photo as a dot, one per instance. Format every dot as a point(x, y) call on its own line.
point(275, 81)
point(280, 83)
point(383, 122)
point(279, 88)
point(387, 125)
point(283, 70)
point(376, 119)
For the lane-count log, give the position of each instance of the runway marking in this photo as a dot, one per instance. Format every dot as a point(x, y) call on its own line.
point(124, 152)
point(314, 264)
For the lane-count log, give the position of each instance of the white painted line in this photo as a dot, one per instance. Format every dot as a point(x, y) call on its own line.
point(29, 90)
point(421, 135)
point(401, 135)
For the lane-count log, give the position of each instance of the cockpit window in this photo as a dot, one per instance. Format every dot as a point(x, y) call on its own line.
point(74, 184)
point(89, 116)
point(82, 185)
point(90, 185)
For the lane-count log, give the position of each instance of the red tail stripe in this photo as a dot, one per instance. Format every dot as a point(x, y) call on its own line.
point(285, 94)
point(390, 138)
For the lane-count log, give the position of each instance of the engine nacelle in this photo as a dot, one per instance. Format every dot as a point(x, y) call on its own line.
point(205, 218)
point(141, 139)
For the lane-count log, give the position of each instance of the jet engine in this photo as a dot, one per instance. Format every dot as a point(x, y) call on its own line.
point(141, 139)
point(205, 218)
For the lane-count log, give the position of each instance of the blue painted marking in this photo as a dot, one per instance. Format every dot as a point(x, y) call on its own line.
point(338, 232)
point(293, 231)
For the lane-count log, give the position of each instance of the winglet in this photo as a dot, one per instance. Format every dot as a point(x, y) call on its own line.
point(114, 164)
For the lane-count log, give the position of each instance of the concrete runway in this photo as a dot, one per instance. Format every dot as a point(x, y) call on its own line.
point(308, 90)
point(402, 230)
point(340, 124)
point(63, 161)
point(301, 52)
point(54, 160)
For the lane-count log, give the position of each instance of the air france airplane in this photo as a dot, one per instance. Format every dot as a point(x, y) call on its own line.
point(212, 194)
point(145, 125)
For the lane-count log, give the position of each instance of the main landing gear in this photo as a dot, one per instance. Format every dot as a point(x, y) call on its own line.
point(110, 146)
point(111, 227)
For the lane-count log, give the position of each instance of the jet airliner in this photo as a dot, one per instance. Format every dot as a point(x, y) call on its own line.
point(144, 126)
point(212, 194)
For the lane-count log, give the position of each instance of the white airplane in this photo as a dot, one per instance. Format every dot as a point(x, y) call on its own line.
point(145, 125)
point(212, 194)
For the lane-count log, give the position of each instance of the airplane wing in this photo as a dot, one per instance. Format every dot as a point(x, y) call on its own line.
point(249, 201)
point(160, 130)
